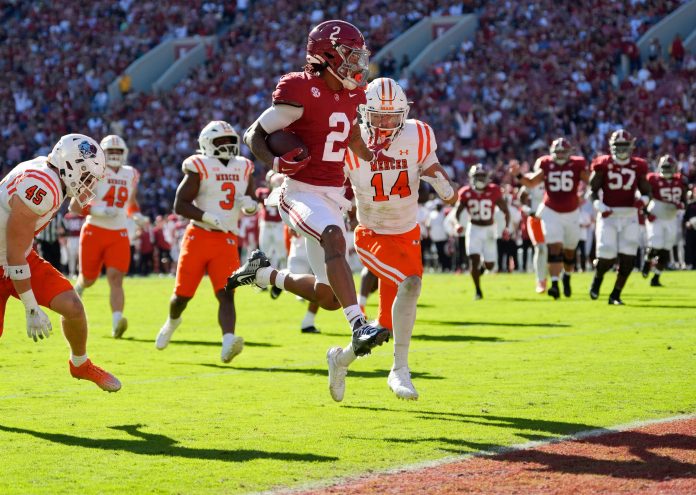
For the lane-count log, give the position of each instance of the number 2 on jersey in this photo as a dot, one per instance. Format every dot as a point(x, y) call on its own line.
point(116, 197)
point(336, 119)
point(400, 187)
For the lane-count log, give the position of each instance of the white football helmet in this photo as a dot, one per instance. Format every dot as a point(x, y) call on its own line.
point(81, 164)
point(667, 166)
point(115, 150)
point(215, 130)
point(621, 144)
point(386, 109)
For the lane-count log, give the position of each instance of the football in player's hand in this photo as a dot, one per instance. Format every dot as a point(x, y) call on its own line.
point(281, 142)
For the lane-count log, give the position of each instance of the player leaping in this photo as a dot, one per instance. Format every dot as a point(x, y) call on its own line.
point(30, 195)
point(320, 105)
point(618, 176)
point(561, 174)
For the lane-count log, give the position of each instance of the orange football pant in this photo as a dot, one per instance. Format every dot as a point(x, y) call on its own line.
point(204, 251)
point(392, 258)
point(46, 282)
point(103, 247)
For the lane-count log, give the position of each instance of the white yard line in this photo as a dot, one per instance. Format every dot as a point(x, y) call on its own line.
point(581, 435)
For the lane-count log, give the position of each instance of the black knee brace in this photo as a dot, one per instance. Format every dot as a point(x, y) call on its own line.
point(570, 261)
point(555, 258)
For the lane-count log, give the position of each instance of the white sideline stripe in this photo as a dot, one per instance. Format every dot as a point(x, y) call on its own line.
point(581, 435)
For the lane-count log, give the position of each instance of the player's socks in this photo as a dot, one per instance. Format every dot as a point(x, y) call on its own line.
point(308, 320)
point(172, 323)
point(78, 360)
point(346, 356)
point(263, 277)
point(362, 301)
point(79, 288)
point(115, 318)
point(404, 318)
point(352, 314)
point(566, 284)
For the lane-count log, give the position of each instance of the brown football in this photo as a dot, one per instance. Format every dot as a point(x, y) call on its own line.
point(280, 142)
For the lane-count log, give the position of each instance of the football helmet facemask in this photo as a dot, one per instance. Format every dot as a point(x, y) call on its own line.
point(621, 144)
point(560, 151)
point(81, 165)
point(386, 109)
point(478, 177)
point(340, 47)
point(218, 139)
point(667, 166)
point(115, 150)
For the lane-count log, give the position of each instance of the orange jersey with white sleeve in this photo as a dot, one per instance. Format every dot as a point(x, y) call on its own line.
point(387, 194)
point(114, 191)
point(219, 186)
point(38, 187)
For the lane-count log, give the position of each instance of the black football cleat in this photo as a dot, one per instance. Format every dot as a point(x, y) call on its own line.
point(646, 268)
point(594, 289)
point(246, 274)
point(655, 281)
point(478, 296)
point(366, 337)
point(275, 292)
point(566, 285)
point(310, 329)
point(554, 291)
point(615, 301)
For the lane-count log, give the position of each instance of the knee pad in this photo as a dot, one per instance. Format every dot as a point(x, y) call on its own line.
point(410, 287)
point(555, 258)
point(626, 265)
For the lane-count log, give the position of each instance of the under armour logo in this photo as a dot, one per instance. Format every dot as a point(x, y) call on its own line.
point(403, 152)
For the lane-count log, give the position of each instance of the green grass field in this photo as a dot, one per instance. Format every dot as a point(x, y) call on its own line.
point(513, 367)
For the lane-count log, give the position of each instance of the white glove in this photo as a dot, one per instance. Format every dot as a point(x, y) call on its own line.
point(38, 324)
point(139, 219)
point(214, 221)
point(247, 204)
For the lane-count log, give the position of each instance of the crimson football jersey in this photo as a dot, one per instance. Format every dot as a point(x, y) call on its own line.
point(667, 190)
point(620, 181)
point(561, 182)
point(267, 213)
point(480, 204)
point(325, 125)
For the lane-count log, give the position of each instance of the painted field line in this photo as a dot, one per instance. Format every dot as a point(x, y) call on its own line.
point(581, 435)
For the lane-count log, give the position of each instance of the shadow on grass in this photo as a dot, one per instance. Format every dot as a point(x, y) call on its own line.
point(455, 323)
point(319, 371)
point(457, 338)
point(660, 306)
point(204, 343)
point(162, 445)
point(624, 454)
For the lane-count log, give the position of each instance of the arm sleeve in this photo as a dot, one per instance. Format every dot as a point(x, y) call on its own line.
point(279, 116)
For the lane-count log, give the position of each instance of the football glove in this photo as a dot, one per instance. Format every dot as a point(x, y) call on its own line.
point(247, 204)
point(602, 208)
point(286, 164)
point(139, 219)
point(651, 218)
point(378, 152)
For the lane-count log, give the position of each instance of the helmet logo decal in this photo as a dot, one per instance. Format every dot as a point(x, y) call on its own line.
point(315, 92)
point(87, 150)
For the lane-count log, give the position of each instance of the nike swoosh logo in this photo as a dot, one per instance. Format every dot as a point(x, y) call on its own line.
point(244, 278)
point(352, 94)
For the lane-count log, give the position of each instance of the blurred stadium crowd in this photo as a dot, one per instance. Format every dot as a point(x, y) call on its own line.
point(536, 70)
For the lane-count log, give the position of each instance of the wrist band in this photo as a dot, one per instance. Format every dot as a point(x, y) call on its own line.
point(18, 272)
point(28, 299)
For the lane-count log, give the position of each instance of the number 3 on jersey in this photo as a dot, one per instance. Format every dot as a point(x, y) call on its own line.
point(228, 203)
point(400, 187)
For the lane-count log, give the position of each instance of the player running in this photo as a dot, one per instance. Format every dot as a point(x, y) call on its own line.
point(271, 235)
point(618, 176)
point(561, 174)
point(30, 195)
point(104, 236)
point(480, 198)
point(320, 105)
point(669, 195)
point(217, 185)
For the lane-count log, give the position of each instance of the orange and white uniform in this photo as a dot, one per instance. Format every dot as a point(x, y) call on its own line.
point(104, 239)
point(534, 227)
point(387, 238)
point(205, 249)
point(40, 189)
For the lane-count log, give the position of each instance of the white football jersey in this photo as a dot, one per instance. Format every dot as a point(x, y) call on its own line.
point(114, 191)
point(38, 187)
point(536, 197)
point(387, 195)
point(220, 186)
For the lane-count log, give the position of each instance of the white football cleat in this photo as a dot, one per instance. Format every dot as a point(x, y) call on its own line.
point(165, 334)
point(231, 349)
point(120, 328)
point(400, 382)
point(337, 374)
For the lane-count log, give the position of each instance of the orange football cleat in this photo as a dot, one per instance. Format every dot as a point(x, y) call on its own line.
point(89, 371)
